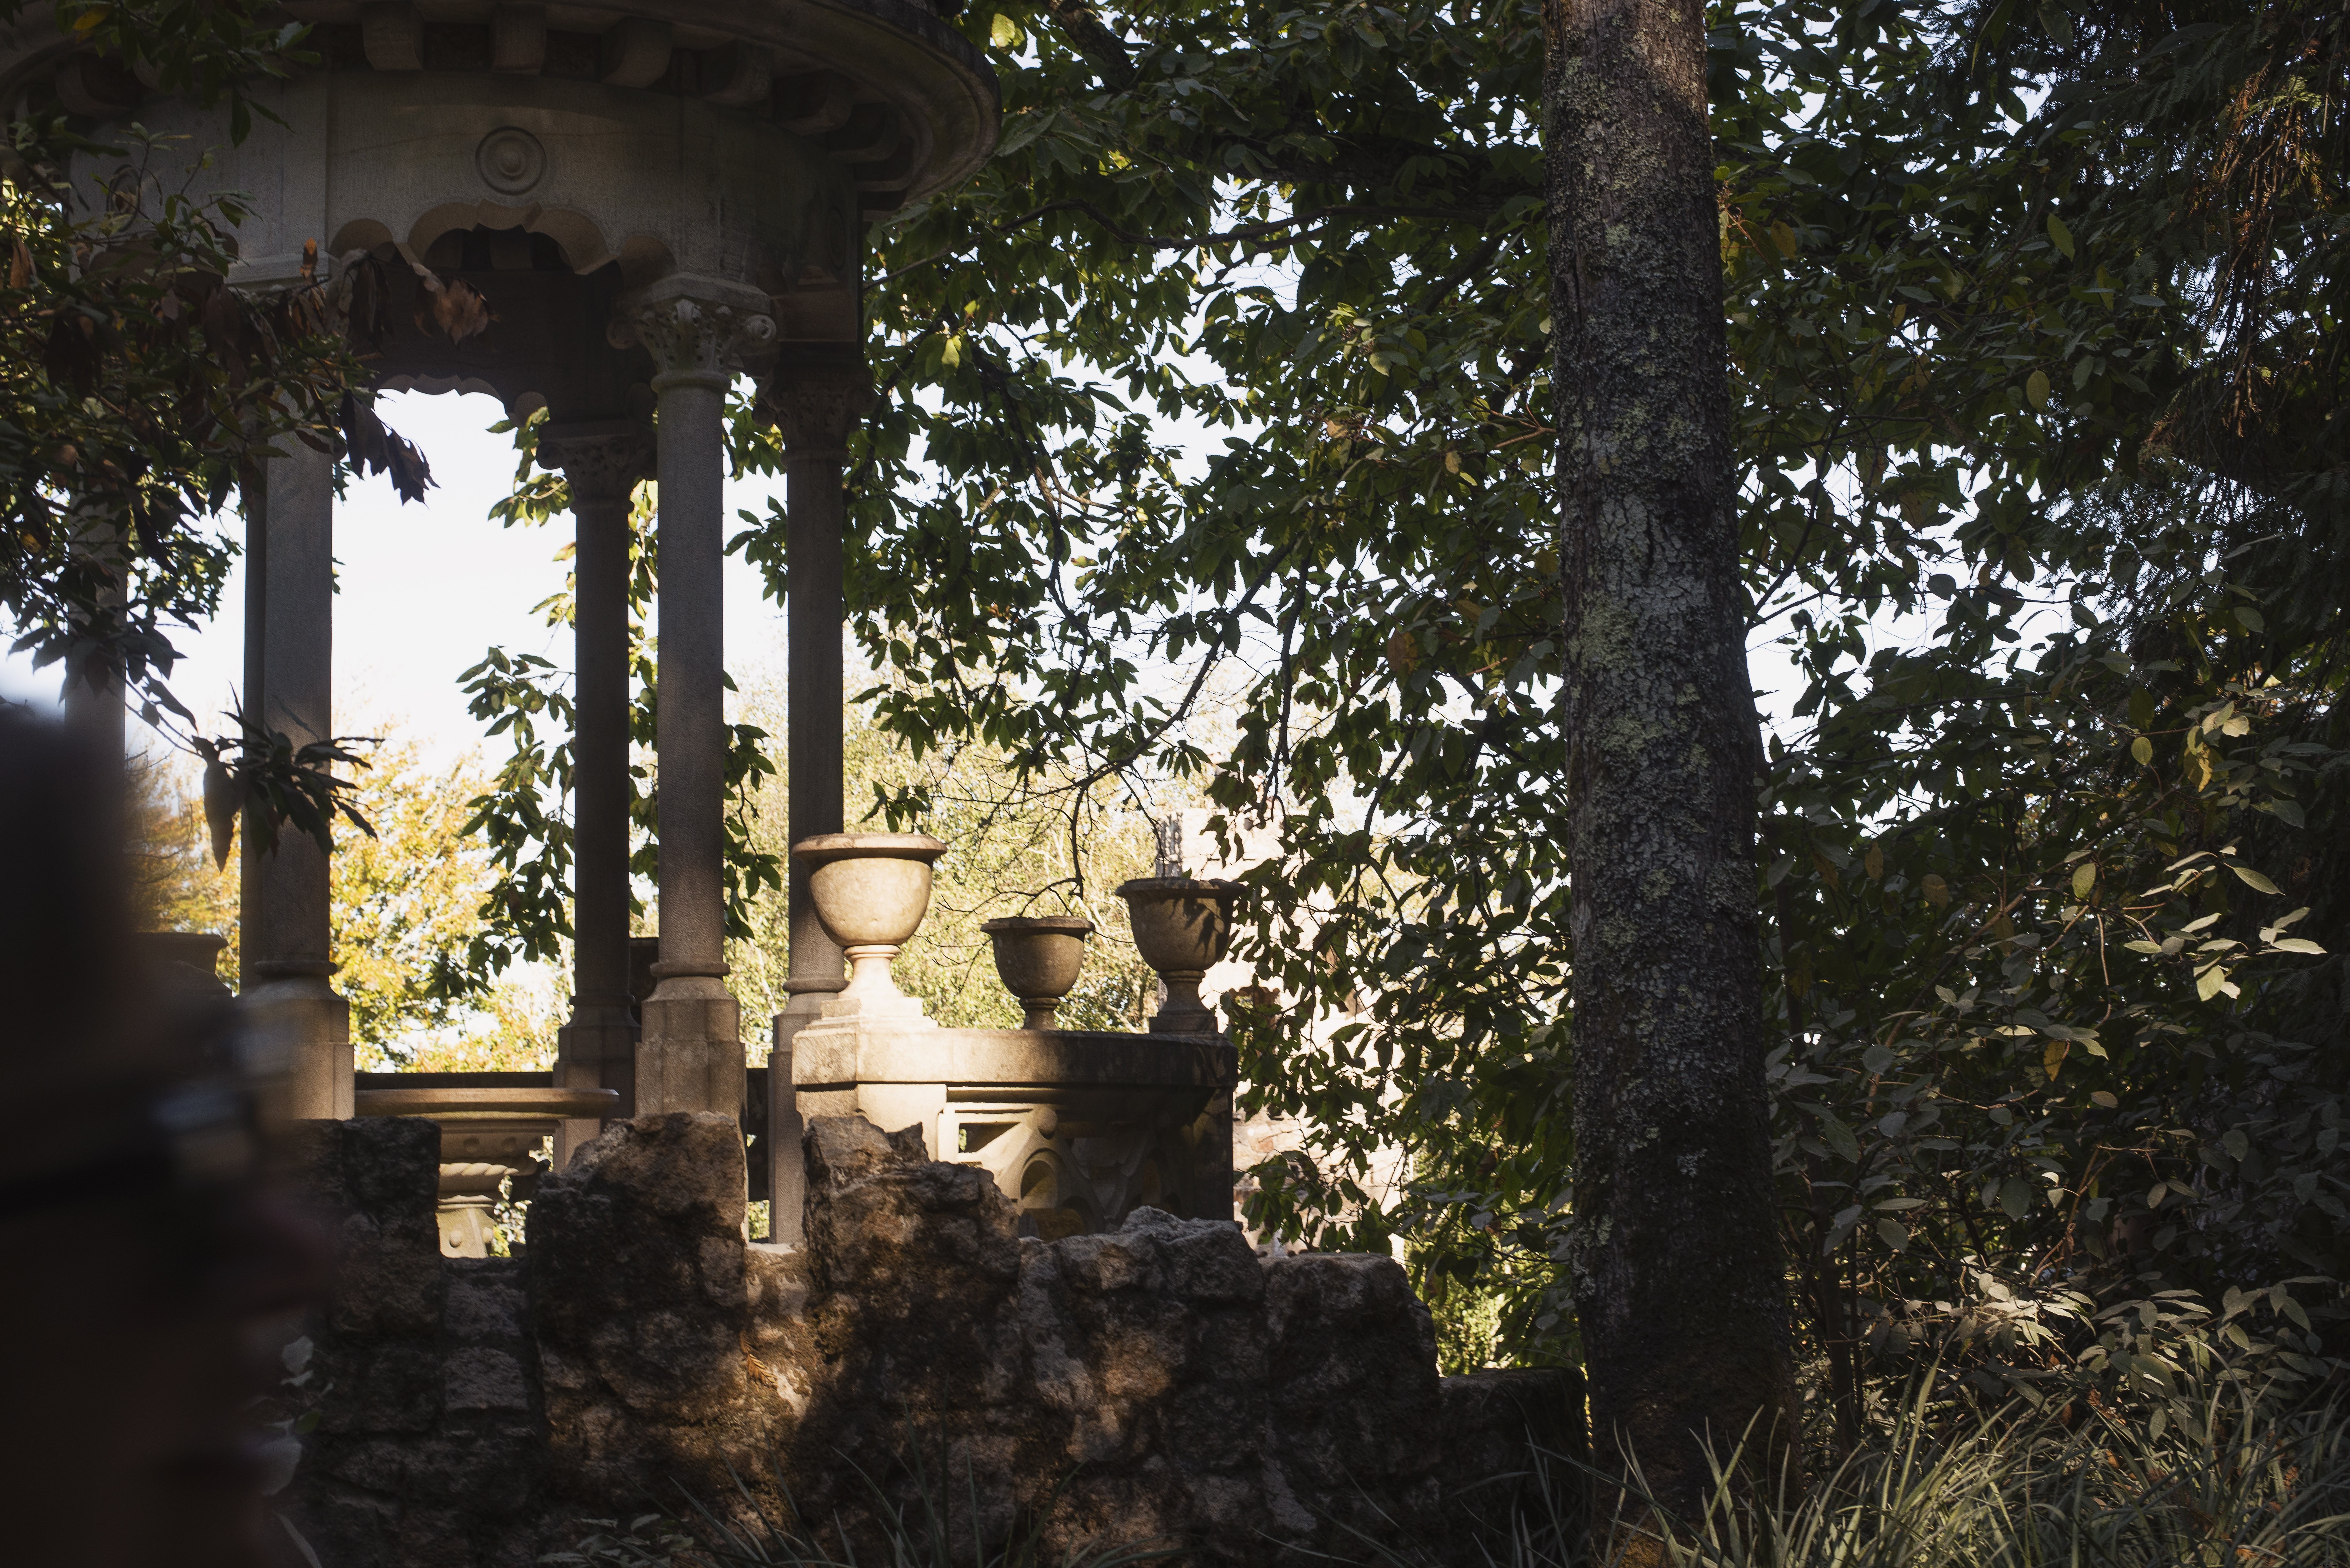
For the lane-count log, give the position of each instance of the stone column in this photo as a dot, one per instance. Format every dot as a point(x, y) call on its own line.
point(690, 1056)
point(282, 917)
point(815, 401)
point(598, 1049)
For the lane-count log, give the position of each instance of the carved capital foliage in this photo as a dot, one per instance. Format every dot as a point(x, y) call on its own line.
point(602, 462)
point(695, 328)
point(815, 405)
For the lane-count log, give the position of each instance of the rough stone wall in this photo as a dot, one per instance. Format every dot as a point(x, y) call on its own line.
point(637, 1268)
point(429, 1439)
point(1160, 1383)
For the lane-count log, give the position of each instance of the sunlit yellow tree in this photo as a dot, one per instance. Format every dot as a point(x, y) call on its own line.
point(405, 903)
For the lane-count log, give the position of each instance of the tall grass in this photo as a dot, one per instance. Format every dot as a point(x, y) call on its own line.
point(2227, 1482)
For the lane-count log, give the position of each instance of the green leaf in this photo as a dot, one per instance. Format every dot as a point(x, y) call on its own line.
point(1003, 32)
point(2060, 234)
point(2142, 751)
point(2084, 876)
point(1895, 1234)
point(2035, 387)
point(1840, 1137)
point(2251, 879)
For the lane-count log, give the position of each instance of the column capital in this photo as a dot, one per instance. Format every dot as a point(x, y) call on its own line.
point(814, 400)
point(697, 328)
point(601, 460)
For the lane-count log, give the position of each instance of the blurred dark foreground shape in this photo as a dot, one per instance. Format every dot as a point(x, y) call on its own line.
point(152, 1274)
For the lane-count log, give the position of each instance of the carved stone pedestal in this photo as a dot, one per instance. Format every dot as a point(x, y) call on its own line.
point(691, 1055)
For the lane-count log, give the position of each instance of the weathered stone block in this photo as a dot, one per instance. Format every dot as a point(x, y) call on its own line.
point(640, 1296)
point(375, 1180)
point(387, 1167)
point(376, 1464)
point(484, 1302)
point(390, 1386)
point(483, 1379)
point(485, 1473)
point(1354, 1432)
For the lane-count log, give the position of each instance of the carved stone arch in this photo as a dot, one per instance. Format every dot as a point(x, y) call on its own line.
point(643, 259)
point(362, 234)
point(580, 238)
point(518, 403)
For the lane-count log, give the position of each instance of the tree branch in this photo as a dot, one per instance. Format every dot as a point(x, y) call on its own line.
point(1313, 222)
point(1096, 40)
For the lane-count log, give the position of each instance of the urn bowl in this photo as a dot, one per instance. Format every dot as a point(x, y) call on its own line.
point(1182, 925)
point(870, 889)
point(1038, 957)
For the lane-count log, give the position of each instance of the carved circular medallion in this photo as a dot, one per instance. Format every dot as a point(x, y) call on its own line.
point(511, 160)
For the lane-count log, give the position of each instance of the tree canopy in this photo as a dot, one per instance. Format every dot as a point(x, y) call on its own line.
point(2036, 376)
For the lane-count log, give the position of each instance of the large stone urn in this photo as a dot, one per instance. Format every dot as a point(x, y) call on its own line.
point(1182, 925)
point(1038, 957)
point(870, 892)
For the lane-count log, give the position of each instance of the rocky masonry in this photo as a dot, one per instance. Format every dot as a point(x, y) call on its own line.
point(1162, 1383)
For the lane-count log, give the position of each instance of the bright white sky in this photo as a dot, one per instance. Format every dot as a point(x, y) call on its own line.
point(426, 588)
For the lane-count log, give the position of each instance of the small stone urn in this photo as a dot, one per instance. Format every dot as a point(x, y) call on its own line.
point(1038, 957)
point(1182, 925)
point(870, 892)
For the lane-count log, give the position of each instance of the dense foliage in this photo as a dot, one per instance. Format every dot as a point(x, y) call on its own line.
point(2037, 371)
point(137, 391)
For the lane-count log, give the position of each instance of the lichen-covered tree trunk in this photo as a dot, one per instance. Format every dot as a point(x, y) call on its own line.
point(1679, 1275)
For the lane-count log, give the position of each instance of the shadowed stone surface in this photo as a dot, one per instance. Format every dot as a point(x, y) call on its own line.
point(637, 1272)
point(1161, 1382)
point(429, 1442)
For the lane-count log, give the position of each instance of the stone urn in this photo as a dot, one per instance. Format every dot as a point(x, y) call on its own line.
point(1038, 957)
point(1182, 925)
point(870, 892)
